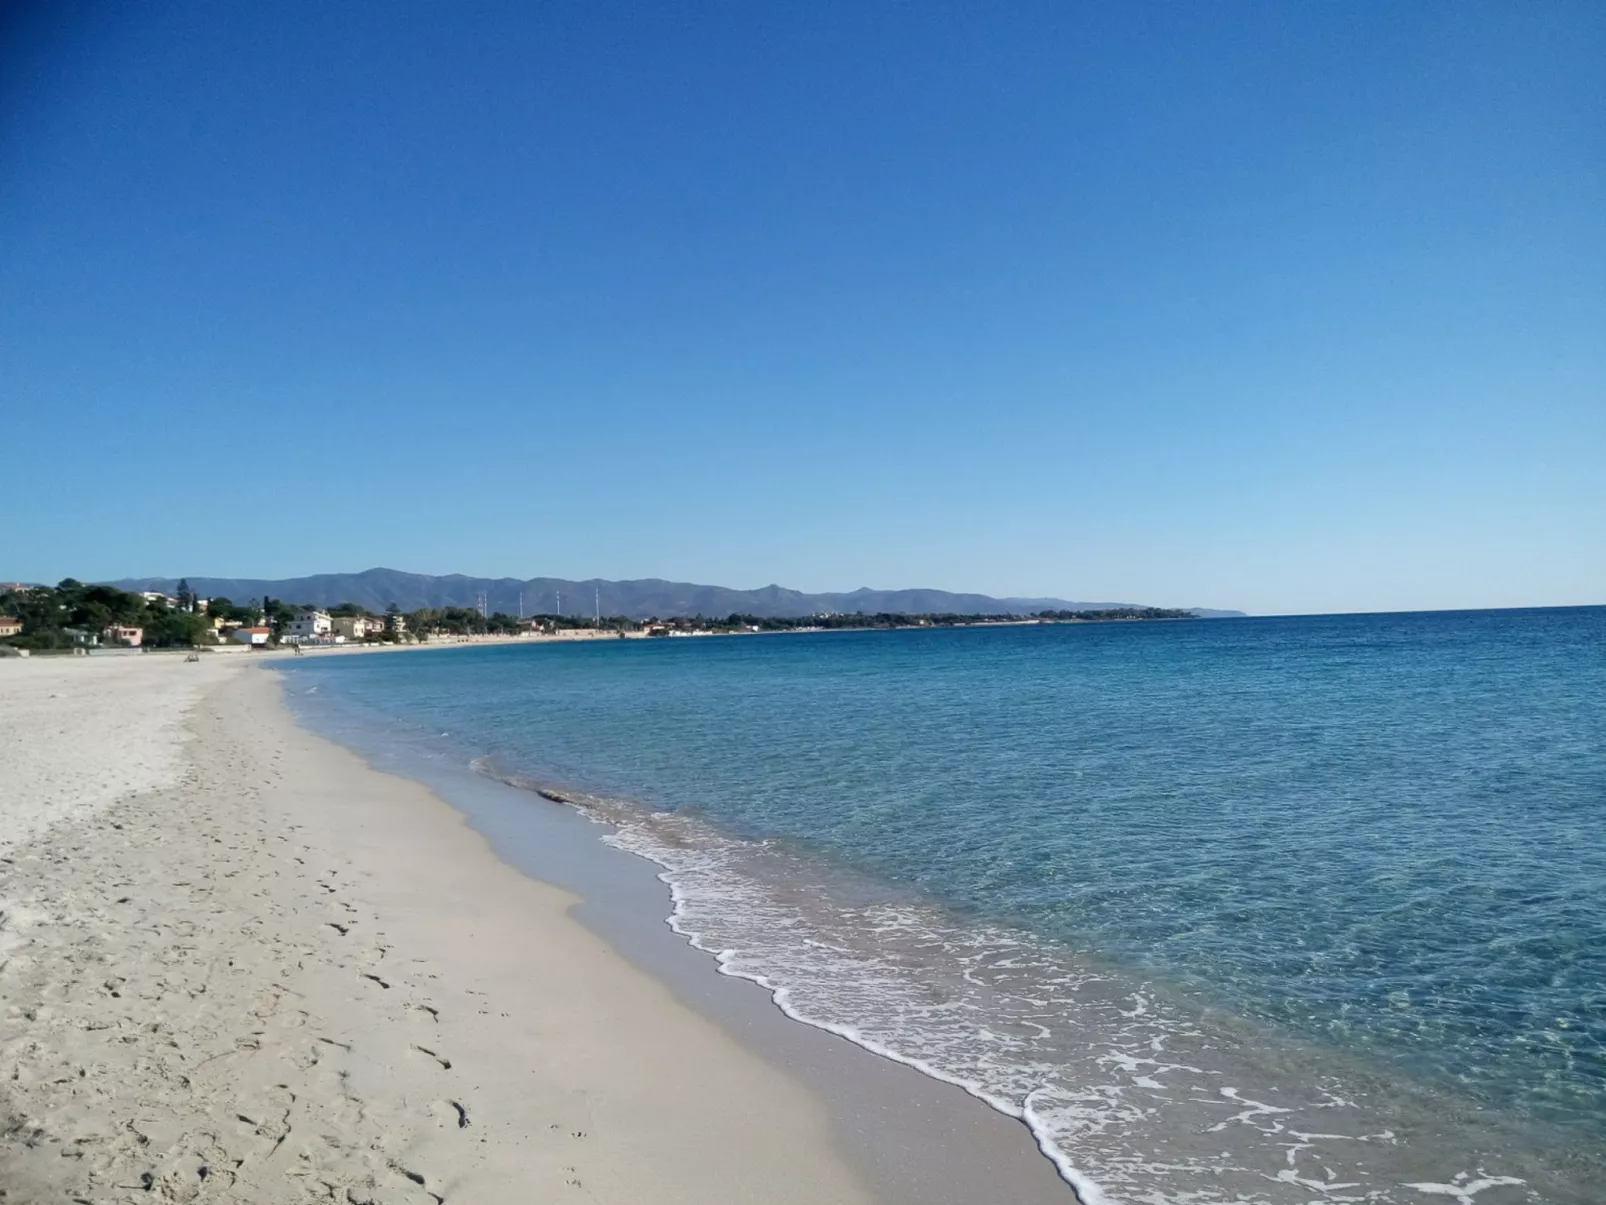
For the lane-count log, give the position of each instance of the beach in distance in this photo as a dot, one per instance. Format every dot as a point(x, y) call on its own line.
point(1253, 911)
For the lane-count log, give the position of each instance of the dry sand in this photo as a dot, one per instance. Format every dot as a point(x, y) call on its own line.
point(238, 965)
point(77, 733)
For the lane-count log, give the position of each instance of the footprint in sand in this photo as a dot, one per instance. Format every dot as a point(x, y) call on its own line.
point(451, 1113)
point(446, 1063)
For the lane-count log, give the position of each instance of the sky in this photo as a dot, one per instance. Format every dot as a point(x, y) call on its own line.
point(1275, 307)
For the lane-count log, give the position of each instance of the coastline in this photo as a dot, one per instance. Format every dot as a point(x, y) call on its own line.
point(274, 972)
point(587, 635)
point(801, 927)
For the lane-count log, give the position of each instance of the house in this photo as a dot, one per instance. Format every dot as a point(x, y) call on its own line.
point(307, 624)
point(121, 634)
point(10, 626)
point(255, 637)
point(355, 627)
point(398, 622)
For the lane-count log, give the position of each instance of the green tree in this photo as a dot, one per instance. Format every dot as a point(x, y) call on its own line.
point(277, 613)
point(172, 628)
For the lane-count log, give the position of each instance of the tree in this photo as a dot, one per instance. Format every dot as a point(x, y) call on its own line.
point(186, 596)
point(225, 609)
point(277, 613)
point(170, 628)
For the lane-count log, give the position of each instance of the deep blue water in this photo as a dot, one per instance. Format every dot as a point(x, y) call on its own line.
point(1122, 877)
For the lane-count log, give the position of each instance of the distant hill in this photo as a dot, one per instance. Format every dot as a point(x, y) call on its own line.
point(377, 589)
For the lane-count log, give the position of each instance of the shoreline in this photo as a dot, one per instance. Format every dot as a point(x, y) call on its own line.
point(452, 1027)
point(1227, 1066)
point(565, 636)
point(919, 1137)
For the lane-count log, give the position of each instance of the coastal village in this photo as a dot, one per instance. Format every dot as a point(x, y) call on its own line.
point(78, 618)
point(74, 617)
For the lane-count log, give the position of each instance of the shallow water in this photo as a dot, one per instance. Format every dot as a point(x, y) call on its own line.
point(1266, 910)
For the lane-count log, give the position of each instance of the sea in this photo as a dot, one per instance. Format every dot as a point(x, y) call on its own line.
point(1272, 910)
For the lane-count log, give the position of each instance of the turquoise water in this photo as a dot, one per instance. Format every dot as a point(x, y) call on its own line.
point(1241, 910)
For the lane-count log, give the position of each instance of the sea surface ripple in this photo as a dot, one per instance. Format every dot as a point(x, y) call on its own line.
point(1243, 910)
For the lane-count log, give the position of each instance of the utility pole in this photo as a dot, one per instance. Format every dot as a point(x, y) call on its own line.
point(599, 607)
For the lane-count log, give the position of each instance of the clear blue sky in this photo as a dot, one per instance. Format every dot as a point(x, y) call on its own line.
point(1283, 307)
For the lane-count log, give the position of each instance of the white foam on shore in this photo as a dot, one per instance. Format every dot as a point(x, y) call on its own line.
point(1020, 1106)
point(1130, 1100)
point(1087, 1192)
point(1134, 1102)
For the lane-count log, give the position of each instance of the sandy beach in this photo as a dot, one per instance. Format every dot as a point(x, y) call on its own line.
point(275, 975)
point(240, 965)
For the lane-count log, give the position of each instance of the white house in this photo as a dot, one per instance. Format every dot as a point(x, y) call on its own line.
point(308, 624)
point(256, 637)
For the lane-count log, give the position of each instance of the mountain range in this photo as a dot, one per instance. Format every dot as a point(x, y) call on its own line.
point(377, 589)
